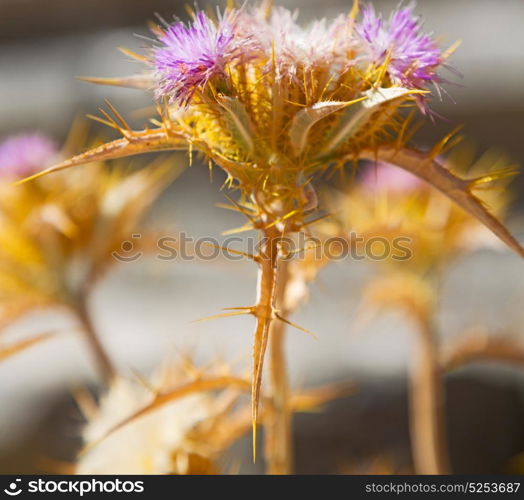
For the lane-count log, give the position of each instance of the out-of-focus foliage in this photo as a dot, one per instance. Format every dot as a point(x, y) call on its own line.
point(391, 204)
point(58, 234)
point(183, 421)
point(187, 435)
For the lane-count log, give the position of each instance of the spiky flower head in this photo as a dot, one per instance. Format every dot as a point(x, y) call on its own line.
point(411, 57)
point(287, 46)
point(253, 90)
point(274, 103)
point(191, 55)
point(25, 154)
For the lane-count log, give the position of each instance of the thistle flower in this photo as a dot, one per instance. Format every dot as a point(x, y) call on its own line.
point(289, 46)
point(275, 136)
point(412, 57)
point(190, 56)
point(180, 421)
point(25, 154)
point(70, 227)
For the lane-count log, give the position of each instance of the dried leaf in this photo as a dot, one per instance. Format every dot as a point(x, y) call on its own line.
point(143, 81)
point(200, 385)
point(427, 168)
point(377, 102)
point(7, 351)
point(238, 123)
point(307, 118)
point(134, 143)
point(481, 347)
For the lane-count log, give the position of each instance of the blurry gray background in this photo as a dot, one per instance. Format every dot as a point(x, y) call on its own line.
point(144, 310)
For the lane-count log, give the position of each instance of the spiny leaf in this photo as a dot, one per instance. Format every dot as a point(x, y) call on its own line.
point(238, 123)
point(17, 347)
point(134, 143)
point(427, 168)
point(356, 118)
point(307, 118)
point(312, 399)
point(140, 81)
point(133, 55)
point(478, 347)
point(200, 385)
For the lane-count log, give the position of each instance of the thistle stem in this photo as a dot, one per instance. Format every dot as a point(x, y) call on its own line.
point(279, 440)
point(272, 280)
point(427, 425)
point(104, 363)
point(264, 312)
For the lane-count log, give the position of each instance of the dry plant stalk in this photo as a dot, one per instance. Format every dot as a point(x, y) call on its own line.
point(280, 441)
point(428, 429)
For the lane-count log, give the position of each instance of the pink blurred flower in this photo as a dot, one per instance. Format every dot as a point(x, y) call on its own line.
point(25, 154)
point(385, 177)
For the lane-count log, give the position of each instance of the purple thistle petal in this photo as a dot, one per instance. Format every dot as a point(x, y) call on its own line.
point(25, 154)
point(193, 54)
point(413, 56)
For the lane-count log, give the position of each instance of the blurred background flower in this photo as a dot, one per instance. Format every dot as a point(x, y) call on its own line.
point(59, 234)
